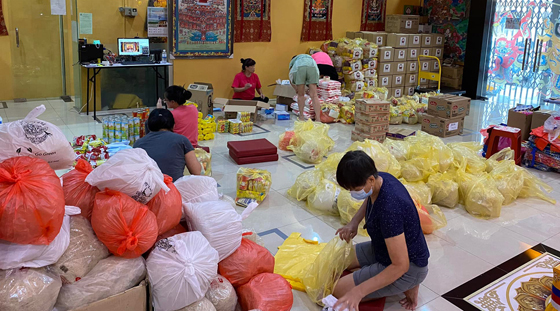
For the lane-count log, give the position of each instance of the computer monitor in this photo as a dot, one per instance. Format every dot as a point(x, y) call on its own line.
point(134, 47)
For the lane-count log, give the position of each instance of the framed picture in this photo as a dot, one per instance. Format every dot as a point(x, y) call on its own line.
point(202, 28)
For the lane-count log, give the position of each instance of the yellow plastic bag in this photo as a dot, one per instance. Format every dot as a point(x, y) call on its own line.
point(347, 208)
point(419, 191)
point(419, 169)
point(533, 188)
point(495, 159)
point(463, 153)
point(311, 141)
point(323, 198)
point(305, 184)
point(431, 217)
point(384, 160)
point(445, 191)
point(480, 195)
point(253, 184)
point(205, 160)
point(294, 257)
point(430, 147)
point(322, 276)
point(398, 148)
point(509, 179)
point(329, 166)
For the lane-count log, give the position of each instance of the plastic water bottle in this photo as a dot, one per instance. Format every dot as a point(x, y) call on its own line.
point(164, 57)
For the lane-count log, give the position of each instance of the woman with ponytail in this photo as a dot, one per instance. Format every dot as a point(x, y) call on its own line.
point(186, 116)
point(247, 82)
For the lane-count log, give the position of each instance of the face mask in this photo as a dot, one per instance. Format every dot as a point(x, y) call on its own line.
point(361, 195)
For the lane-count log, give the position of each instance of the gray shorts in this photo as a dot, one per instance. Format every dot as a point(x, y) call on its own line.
point(306, 75)
point(370, 268)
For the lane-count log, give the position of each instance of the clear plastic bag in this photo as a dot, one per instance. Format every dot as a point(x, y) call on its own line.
point(28, 289)
point(398, 148)
point(480, 195)
point(419, 191)
point(247, 261)
point(109, 277)
point(305, 184)
point(311, 141)
point(286, 140)
point(509, 180)
point(419, 169)
point(252, 236)
point(222, 294)
point(445, 191)
point(384, 160)
point(83, 253)
point(266, 291)
point(253, 184)
point(323, 198)
point(495, 159)
point(462, 153)
point(322, 276)
point(205, 159)
point(552, 127)
point(347, 208)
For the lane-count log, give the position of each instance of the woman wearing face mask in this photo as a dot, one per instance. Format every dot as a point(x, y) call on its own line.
point(396, 259)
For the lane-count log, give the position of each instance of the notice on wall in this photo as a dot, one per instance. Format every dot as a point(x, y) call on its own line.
point(157, 22)
point(86, 24)
point(58, 7)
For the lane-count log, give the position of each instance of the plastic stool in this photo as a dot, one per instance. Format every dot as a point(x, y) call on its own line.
point(514, 134)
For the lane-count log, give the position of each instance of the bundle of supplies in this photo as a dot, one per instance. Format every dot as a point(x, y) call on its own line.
point(222, 294)
point(197, 189)
point(29, 289)
point(329, 90)
point(77, 192)
point(309, 109)
point(91, 149)
point(253, 185)
point(205, 159)
point(167, 207)
point(124, 128)
point(247, 261)
point(223, 126)
point(35, 138)
point(239, 127)
point(266, 291)
point(311, 142)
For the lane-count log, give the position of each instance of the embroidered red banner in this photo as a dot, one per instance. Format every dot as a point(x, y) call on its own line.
point(373, 15)
point(252, 21)
point(3, 28)
point(317, 20)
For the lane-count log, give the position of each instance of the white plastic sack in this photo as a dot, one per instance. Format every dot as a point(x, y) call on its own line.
point(109, 277)
point(222, 294)
point(180, 269)
point(28, 289)
point(195, 189)
point(201, 305)
point(131, 172)
point(35, 138)
point(219, 222)
point(14, 255)
point(83, 252)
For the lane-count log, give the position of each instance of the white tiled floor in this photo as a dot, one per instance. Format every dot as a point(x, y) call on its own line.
point(461, 251)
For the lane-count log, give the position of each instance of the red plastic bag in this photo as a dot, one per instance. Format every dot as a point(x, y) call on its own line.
point(266, 291)
point(126, 227)
point(77, 192)
point(31, 201)
point(247, 261)
point(168, 207)
point(285, 140)
point(174, 231)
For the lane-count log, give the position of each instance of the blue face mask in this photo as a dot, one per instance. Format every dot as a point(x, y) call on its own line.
point(361, 195)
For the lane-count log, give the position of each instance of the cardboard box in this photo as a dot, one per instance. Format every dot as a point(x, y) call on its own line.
point(438, 40)
point(452, 72)
point(202, 95)
point(358, 35)
point(284, 93)
point(400, 68)
point(372, 128)
point(398, 81)
point(401, 55)
point(415, 40)
point(379, 38)
point(449, 106)
point(357, 136)
point(539, 117)
point(437, 52)
point(427, 40)
point(434, 66)
point(351, 35)
point(385, 81)
point(433, 84)
point(371, 105)
point(373, 118)
point(442, 127)
point(425, 64)
point(412, 67)
point(520, 121)
point(134, 299)
point(411, 79)
point(386, 69)
point(397, 40)
point(424, 51)
point(400, 134)
point(233, 106)
point(397, 92)
point(409, 90)
point(402, 23)
point(452, 83)
point(386, 54)
point(424, 28)
point(413, 54)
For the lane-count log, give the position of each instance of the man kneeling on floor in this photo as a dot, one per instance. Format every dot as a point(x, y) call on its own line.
point(396, 259)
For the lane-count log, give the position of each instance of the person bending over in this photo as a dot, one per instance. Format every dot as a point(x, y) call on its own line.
point(396, 259)
point(325, 65)
point(304, 72)
point(246, 82)
point(171, 151)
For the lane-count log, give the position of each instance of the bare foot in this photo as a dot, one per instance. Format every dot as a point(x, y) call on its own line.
point(411, 298)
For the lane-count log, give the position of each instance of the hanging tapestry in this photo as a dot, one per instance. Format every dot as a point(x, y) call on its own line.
point(373, 15)
point(252, 21)
point(3, 29)
point(451, 18)
point(317, 20)
point(202, 28)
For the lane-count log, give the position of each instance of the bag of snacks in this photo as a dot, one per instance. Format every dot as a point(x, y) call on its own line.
point(252, 185)
point(168, 207)
point(77, 192)
point(205, 159)
point(31, 201)
point(28, 289)
point(247, 261)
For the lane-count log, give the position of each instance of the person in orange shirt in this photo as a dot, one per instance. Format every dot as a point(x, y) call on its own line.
point(186, 116)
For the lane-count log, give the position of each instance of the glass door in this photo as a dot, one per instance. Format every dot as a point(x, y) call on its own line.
point(524, 59)
point(36, 53)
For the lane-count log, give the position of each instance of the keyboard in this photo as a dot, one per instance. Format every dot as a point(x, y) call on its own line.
point(137, 62)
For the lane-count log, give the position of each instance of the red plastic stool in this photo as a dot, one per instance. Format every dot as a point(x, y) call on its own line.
point(514, 134)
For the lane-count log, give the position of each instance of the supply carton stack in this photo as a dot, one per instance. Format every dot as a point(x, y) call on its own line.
point(452, 76)
point(446, 115)
point(372, 120)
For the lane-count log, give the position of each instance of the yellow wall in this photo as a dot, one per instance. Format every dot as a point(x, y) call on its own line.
point(6, 87)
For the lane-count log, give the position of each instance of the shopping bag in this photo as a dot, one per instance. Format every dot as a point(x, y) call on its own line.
point(444, 190)
point(31, 201)
point(384, 160)
point(323, 199)
point(167, 207)
point(196, 189)
point(431, 217)
point(247, 261)
point(77, 192)
point(222, 294)
point(266, 291)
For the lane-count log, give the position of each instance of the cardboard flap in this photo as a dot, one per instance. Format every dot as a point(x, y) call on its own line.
point(284, 91)
point(208, 85)
point(235, 108)
point(221, 101)
point(262, 105)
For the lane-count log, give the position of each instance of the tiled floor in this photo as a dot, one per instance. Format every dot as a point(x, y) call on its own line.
point(464, 249)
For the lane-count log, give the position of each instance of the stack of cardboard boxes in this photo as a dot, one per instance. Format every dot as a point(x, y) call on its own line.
point(399, 48)
point(372, 120)
point(446, 115)
point(452, 76)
